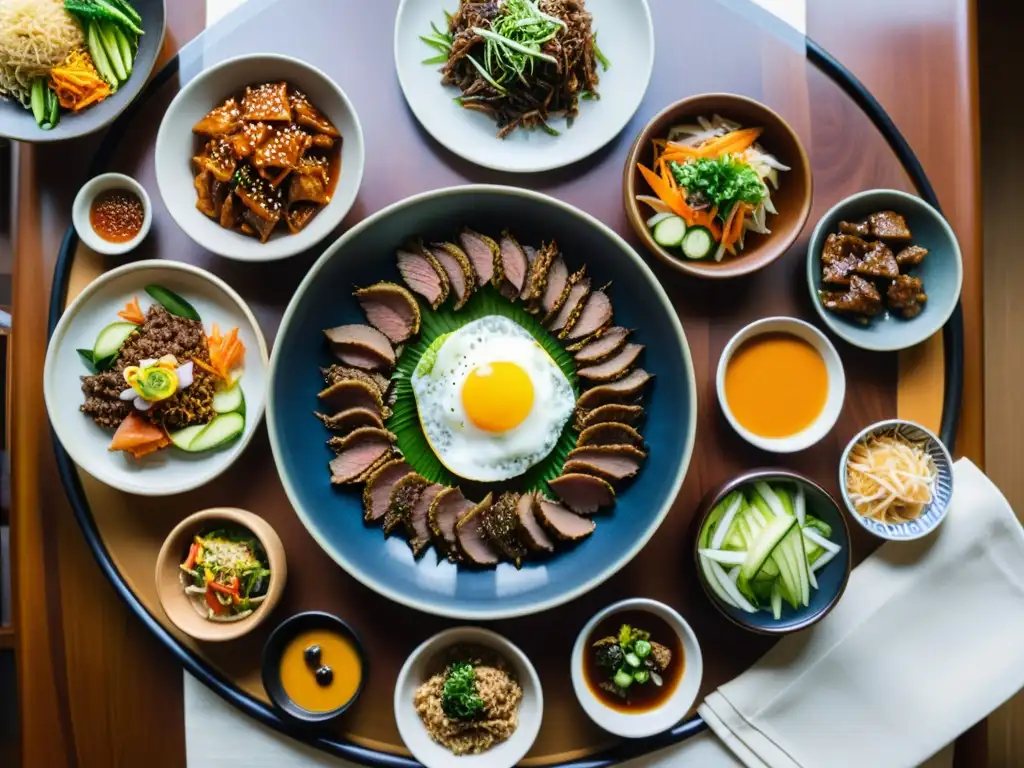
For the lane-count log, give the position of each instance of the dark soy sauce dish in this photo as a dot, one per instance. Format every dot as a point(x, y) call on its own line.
point(640, 637)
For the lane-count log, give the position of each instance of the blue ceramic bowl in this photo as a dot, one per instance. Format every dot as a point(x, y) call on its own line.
point(831, 578)
point(941, 271)
point(334, 516)
point(942, 491)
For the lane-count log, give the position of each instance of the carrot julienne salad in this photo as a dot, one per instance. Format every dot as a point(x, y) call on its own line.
point(157, 379)
point(711, 186)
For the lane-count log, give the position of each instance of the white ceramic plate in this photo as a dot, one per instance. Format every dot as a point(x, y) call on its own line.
point(651, 722)
point(170, 470)
point(415, 671)
point(175, 146)
point(625, 35)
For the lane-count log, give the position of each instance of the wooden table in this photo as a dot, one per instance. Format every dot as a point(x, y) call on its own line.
point(96, 689)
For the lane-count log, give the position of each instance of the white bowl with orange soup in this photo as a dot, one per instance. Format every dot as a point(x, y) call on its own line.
point(781, 384)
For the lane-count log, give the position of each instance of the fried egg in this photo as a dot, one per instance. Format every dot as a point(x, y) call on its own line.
point(491, 400)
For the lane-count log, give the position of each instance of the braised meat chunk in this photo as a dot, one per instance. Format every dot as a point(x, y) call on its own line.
point(861, 299)
point(878, 262)
point(840, 257)
point(267, 102)
point(911, 256)
point(906, 296)
point(889, 225)
point(858, 228)
point(268, 161)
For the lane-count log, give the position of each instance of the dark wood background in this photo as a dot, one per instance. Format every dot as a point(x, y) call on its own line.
point(68, 645)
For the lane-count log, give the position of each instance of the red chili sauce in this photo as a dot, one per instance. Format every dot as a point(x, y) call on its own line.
point(117, 215)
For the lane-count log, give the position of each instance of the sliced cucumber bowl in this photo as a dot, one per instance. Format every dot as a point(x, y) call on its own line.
point(773, 551)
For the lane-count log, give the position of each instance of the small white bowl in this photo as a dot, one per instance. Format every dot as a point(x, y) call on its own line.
point(650, 722)
point(175, 147)
point(83, 202)
point(168, 471)
point(836, 384)
point(415, 672)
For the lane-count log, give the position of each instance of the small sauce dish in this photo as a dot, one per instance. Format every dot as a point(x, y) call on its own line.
point(313, 667)
point(652, 709)
point(112, 214)
point(781, 384)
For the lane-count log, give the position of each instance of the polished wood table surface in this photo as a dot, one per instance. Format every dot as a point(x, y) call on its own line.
point(96, 690)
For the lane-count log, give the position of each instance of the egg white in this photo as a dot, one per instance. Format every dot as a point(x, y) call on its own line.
point(463, 448)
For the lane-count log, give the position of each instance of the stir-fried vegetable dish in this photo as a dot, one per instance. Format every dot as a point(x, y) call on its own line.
point(226, 573)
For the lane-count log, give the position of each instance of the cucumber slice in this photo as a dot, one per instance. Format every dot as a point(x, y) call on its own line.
point(172, 302)
point(110, 339)
point(723, 556)
point(735, 503)
point(769, 538)
point(721, 584)
point(183, 438)
point(776, 599)
point(38, 100)
point(670, 232)
point(710, 525)
point(697, 243)
point(109, 41)
point(223, 429)
point(821, 525)
point(229, 400)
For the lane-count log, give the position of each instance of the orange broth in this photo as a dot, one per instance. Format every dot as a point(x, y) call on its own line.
point(299, 680)
point(776, 385)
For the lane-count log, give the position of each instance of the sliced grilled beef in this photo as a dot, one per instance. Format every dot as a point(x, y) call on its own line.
point(571, 309)
point(563, 524)
point(423, 274)
point(501, 524)
point(445, 511)
point(391, 309)
point(613, 462)
point(537, 278)
point(472, 542)
point(511, 276)
point(599, 346)
point(358, 452)
point(336, 373)
point(621, 391)
point(351, 418)
point(531, 532)
point(416, 525)
point(614, 367)
point(596, 314)
point(612, 412)
point(558, 280)
point(351, 393)
point(610, 433)
point(584, 494)
point(404, 495)
point(361, 346)
point(483, 253)
point(552, 319)
point(457, 266)
point(377, 492)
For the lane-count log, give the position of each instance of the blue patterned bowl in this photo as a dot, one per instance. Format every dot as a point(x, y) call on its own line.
point(831, 579)
point(334, 516)
point(942, 491)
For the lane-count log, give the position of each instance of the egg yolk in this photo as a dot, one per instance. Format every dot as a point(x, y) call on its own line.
point(497, 397)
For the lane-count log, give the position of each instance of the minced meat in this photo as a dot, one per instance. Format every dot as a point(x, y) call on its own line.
point(161, 334)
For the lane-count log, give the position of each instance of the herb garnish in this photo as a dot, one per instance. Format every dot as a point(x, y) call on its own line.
point(724, 181)
point(459, 698)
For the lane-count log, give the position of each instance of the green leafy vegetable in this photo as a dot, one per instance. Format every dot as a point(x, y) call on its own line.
point(111, 10)
point(459, 698)
point(628, 636)
point(87, 358)
point(724, 181)
point(172, 302)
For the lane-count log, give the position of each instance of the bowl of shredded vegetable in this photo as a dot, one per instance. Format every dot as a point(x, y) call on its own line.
point(896, 479)
point(717, 186)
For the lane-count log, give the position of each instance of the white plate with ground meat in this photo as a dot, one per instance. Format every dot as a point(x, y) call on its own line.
point(87, 437)
point(469, 698)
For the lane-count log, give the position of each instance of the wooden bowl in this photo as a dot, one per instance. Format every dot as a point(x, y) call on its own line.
point(792, 199)
point(176, 603)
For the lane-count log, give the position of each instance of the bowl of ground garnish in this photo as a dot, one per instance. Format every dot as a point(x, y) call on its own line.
point(468, 697)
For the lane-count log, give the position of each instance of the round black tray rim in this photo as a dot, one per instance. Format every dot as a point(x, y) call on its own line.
point(953, 353)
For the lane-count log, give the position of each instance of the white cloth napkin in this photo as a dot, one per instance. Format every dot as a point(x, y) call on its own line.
point(927, 640)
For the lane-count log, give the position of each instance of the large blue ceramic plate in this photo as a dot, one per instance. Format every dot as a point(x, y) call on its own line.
point(334, 516)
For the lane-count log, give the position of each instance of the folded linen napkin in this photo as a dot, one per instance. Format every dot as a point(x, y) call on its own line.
point(927, 640)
